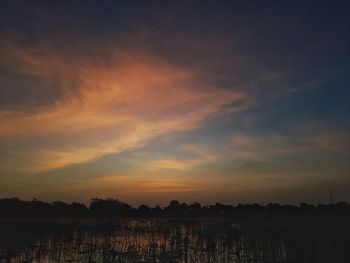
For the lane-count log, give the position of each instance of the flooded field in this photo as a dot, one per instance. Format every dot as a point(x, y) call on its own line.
point(176, 240)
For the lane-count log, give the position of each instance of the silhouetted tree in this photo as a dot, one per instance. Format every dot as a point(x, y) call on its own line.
point(144, 210)
point(157, 210)
point(109, 207)
point(14, 207)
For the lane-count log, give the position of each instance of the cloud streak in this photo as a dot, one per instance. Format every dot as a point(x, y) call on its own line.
point(107, 108)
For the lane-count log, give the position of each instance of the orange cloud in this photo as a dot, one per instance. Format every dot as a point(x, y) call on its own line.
point(109, 107)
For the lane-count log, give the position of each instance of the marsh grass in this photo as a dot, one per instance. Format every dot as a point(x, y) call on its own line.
point(255, 239)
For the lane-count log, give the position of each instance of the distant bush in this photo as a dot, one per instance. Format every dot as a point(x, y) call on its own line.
point(14, 207)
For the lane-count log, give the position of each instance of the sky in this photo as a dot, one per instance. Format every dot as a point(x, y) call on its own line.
point(150, 101)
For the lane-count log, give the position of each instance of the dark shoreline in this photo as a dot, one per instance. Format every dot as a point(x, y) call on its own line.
point(113, 208)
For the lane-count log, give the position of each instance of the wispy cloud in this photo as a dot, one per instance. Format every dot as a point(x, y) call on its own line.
point(108, 107)
point(256, 152)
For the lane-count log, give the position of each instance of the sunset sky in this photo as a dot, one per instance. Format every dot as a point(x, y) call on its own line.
point(149, 101)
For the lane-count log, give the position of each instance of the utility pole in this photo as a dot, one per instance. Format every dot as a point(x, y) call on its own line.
point(331, 197)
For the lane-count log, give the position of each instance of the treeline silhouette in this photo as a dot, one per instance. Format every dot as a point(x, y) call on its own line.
point(106, 208)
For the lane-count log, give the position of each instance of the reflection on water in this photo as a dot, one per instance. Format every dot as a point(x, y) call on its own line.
point(169, 240)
